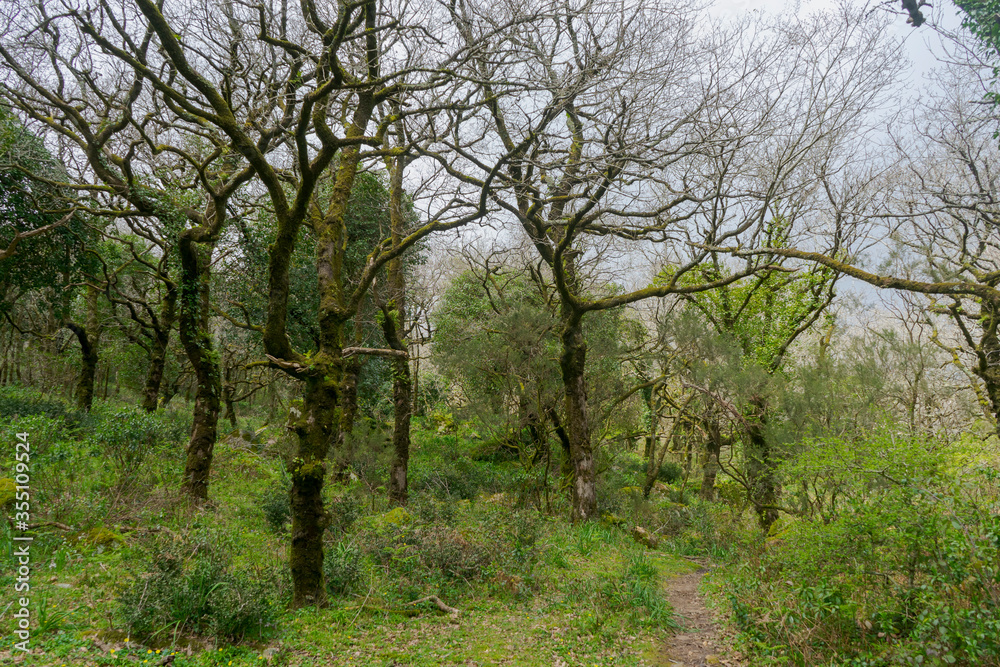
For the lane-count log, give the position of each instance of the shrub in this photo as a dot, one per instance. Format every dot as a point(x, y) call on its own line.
point(23, 402)
point(126, 437)
point(635, 467)
point(344, 510)
point(898, 565)
point(449, 552)
point(482, 543)
point(342, 568)
point(455, 477)
point(670, 472)
point(275, 504)
point(200, 593)
point(45, 433)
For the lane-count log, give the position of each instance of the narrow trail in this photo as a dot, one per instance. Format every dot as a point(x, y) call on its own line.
point(696, 643)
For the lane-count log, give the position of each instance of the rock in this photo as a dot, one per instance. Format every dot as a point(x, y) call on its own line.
point(645, 538)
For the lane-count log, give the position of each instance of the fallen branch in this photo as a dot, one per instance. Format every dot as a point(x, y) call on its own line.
point(437, 603)
point(44, 524)
point(451, 611)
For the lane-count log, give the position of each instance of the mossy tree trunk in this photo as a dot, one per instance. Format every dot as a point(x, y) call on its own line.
point(316, 429)
point(987, 349)
point(88, 366)
point(197, 341)
point(229, 398)
point(349, 406)
point(713, 452)
point(323, 374)
point(760, 465)
point(88, 335)
point(158, 350)
point(402, 410)
point(154, 376)
point(572, 362)
point(393, 327)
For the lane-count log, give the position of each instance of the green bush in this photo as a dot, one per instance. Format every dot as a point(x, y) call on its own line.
point(45, 433)
point(634, 468)
point(342, 568)
point(198, 590)
point(901, 565)
point(670, 472)
point(126, 437)
point(479, 543)
point(451, 553)
point(275, 504)
point(23, 402)
point(454, 477)
point(344, 509)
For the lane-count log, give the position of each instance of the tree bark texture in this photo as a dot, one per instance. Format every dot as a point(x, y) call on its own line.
point(760, 466)
point(154, 377)
point(88, 335)
point(197, 341)
point(572, 362)
point(393, 327)
point(316, 429)
point(344, 454)
point(158, 352)
point(713, 450)
point(988, 352)
point(402, 410)
point(318, 426)
point(88, 366)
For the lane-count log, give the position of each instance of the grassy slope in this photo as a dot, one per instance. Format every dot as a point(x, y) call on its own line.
point(574, 605)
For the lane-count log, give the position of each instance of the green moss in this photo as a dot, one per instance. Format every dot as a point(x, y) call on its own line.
point(100, 537)
point(395, 518)
point(7, 492)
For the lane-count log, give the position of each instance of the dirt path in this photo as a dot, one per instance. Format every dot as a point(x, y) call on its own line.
point(696, 644)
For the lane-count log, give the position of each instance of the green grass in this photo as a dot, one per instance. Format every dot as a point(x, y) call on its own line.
point(547, 591)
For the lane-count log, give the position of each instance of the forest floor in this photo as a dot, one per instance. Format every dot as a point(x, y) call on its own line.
point(698, 642)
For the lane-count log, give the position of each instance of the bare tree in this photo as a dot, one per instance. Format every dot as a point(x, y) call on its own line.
point(635, 127)
point(284, 95)
point(130, 135)
point(939, 226)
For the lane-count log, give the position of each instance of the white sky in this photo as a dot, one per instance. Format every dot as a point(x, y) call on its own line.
point(924, 48)
point(922, 43)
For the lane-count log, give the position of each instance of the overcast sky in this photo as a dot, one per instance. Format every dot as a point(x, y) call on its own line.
point(922, 43)
point(924, 47)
